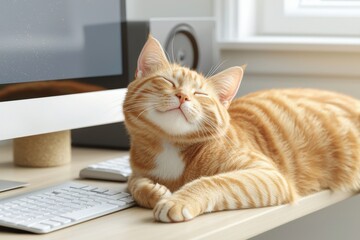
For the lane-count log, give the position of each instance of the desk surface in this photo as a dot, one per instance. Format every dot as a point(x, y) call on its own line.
point(138, 223)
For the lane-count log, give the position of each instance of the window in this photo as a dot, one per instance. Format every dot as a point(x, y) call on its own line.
point(309, 17)
point(316, 18)
point(326, 8)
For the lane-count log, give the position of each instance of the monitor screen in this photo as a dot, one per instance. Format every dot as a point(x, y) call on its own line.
point(62, 65)
point(50, 40)
point(46, 40)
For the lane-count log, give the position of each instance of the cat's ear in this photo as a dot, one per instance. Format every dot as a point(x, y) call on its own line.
point(152, 58)
point(227, 83)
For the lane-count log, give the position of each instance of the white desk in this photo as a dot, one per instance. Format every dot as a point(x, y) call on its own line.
point(138, 223)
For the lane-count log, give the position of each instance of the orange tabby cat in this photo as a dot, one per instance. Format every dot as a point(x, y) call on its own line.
point(193, 152)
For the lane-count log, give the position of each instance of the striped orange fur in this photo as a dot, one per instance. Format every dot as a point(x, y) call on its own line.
point(193, 152)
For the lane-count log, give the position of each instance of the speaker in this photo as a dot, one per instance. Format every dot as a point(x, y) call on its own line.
point(189, 42)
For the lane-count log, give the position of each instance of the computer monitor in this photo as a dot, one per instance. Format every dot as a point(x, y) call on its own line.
point(62, 65)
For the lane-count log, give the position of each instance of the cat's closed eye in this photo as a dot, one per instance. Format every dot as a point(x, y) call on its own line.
point(168, 81)
point(202, 94)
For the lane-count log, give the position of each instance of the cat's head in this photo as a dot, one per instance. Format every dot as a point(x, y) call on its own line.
point(175, 102)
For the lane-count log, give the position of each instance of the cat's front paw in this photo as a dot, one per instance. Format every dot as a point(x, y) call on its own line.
point(174, 210)
point(146, 193)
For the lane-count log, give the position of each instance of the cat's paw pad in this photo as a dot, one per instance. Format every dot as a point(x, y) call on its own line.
point(173, 211)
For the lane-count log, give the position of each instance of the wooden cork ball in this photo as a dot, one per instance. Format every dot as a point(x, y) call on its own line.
point(44, 150)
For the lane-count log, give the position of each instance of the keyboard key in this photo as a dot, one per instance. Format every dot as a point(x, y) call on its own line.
point(128, 199)
point(99, 190)
point(118, 196)
point(51, 223)
point(118, 203)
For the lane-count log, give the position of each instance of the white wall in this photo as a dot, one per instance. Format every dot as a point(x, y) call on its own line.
point(145, 9)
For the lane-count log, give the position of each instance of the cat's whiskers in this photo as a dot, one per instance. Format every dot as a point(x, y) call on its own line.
point(138, 106)
point(195, 111)
point(220, 140)
point(142, 102)
point(147, 109)
point(216, 133)
point(210, 124)
point(167, 55)
point(219, 131)
point(172, 47)
point(214, 68)
point(135, 109)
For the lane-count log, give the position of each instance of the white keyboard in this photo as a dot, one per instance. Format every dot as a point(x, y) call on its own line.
point(117, 169)
point(60, 206)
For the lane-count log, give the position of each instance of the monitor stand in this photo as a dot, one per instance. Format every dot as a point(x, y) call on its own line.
point(44, 150)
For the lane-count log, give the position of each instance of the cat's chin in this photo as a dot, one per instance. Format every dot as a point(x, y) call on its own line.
point(173, 122)
point(179, 111)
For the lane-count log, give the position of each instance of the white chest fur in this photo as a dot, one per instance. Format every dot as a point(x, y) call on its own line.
point(168, 164)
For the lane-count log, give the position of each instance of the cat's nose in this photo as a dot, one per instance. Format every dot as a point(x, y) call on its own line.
point(182, 97)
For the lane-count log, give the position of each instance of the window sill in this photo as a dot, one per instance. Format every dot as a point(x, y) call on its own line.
point(295, 56)
point(285, 43)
